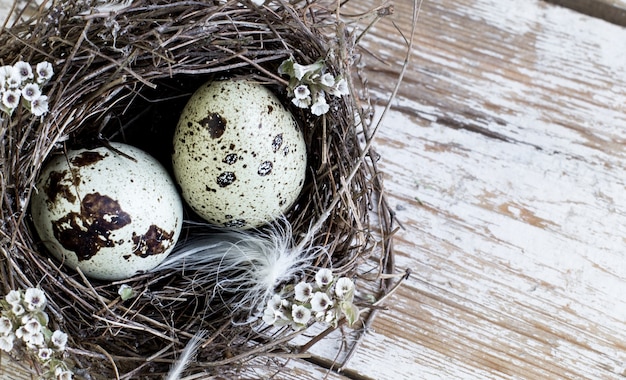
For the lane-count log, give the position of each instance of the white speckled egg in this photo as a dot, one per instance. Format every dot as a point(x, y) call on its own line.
point(239, 155)
point(112, 215)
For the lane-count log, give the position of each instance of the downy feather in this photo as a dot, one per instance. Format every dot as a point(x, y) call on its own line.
point(186, 356)
point(241, 268)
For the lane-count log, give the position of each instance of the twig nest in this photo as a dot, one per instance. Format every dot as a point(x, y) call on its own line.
point(113, 213)
point(239, 155)
point(125, 77)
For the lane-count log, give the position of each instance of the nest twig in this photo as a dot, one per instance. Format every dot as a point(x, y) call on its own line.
point(114, 73)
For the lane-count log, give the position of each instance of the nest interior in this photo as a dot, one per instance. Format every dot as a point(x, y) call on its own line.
point(125, 76)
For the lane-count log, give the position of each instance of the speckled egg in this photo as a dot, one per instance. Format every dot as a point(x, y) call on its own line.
point(110, 212)
point(239, 154)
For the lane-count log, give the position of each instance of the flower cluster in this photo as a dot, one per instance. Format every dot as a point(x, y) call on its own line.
point(326, 300)
point(20, 83)
point(309, 84)
point(24, 324)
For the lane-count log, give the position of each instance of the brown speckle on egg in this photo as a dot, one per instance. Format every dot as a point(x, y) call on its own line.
point(58, 185)
point(277, 142)
point(226, 178)
point(265, 168)
point(230, 159)
point(215, 124)
point(87, 158)
point(85, 233)
point(237, 223)
point(153, 242)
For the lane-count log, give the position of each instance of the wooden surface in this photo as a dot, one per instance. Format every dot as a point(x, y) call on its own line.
point(504, 158)
point(610, 10)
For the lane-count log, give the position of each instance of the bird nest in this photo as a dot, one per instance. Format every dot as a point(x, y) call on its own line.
point(125, 75)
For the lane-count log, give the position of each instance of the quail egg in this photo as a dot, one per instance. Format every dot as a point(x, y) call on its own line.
point(239, 155)
point(111, 212)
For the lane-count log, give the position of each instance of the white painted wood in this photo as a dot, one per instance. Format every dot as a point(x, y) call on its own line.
point(505, 161)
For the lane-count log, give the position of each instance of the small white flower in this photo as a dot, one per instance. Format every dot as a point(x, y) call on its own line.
point(300, 314)
point(6, 342)
point(39, 106)
point(23, 334)
point(36, 340)
point(35, 299)
point(31, 91)
point(44, 354)
point(323, 277)
point(320, 107)
point(5, 72)
point(31, 325)
point(14, 297)
point(17, 309)
point(303, 291)
point(275, 302)
point(302, 103)
point(6, 326)
point(328, 80)
point(343, 287)
point(59, 340)
point(320, 302)
point(269, 316)
point(13, 81)
point(11, 99)
point(44, 72)
point(24, 70)
point(301, 92)
point(341, 88)
point(300, 71)
point(62, 374)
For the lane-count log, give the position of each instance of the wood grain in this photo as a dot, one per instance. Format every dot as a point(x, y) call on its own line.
point(505, 162)
point(610, 10)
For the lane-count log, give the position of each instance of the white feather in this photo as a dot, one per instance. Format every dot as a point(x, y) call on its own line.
point(242, 269)
point(186, 357)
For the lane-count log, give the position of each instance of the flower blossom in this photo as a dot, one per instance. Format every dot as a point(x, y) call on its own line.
point(23, 70)
point(39, 106)
point(59, 340)
point(11, 99)
point(14, 297)
point(303, 292)
point(35, 299)
point(320, 302)
point(301, 92)
point(343, 287)
point(320, 106)
point(6, 326)
point(31, 91)
point(6, 342)
point(300, 314)
point(44, 72)
point(323, 277)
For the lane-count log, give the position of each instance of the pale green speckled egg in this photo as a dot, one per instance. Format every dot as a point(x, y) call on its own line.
point(112, 215)
point(239, 154)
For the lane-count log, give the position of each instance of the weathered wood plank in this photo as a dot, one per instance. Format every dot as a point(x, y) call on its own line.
point(11, 370)
point(610, 10)
point(505, 162)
